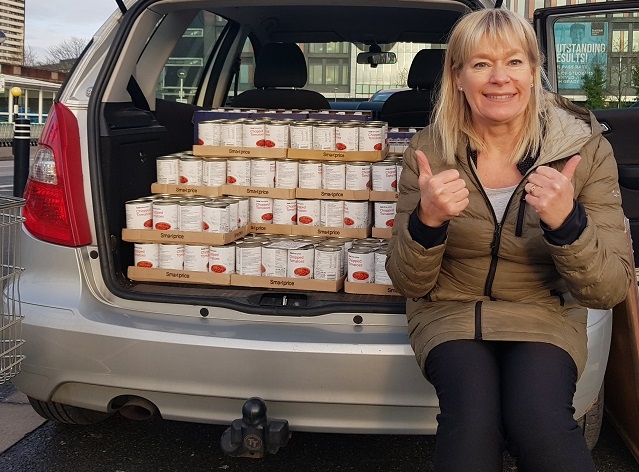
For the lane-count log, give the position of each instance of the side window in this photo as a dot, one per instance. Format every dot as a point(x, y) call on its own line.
point(597, 59)
point(181, 74)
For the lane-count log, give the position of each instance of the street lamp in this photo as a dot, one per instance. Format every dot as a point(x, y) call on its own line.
point(181, 73)
point(16, 92)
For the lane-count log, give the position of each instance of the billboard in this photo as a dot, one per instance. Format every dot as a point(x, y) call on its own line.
point(579, 47)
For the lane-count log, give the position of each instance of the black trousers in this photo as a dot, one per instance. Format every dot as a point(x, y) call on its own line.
point(515, 395)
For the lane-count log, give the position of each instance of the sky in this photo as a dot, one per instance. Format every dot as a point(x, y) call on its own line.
point(51, 22)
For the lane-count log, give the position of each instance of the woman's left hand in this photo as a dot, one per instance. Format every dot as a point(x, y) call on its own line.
point(551, 193)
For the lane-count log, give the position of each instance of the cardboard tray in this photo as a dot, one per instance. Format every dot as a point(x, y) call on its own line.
point(384, 233)
point(332, 194)
point(281, 283)
point(370, 289)
point(183, 237)
point(268, 192)
point(144, 274)
point(189, 190)
point(225, 151)
point(304, 230)
point(317, 155)
point(377, 196)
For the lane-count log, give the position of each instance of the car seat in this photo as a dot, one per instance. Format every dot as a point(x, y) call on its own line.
point(412, 108)
point(280, 73)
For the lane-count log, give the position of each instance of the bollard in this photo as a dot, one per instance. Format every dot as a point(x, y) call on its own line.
point(21, 150)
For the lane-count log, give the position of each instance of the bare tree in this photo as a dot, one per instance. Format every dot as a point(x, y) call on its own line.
point(30, 58)
point(66, 51)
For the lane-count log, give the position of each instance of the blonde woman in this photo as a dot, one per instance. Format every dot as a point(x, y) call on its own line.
point(509, 223)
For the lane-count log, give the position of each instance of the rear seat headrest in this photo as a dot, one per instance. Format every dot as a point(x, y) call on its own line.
point(280, 65)
point(426, 68)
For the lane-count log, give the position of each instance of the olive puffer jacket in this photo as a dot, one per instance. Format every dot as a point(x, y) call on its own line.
point(503, 280)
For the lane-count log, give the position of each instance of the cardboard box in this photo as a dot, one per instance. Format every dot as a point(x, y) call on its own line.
point(182, 237)
point(317, 155)
point(281, 114)
point(382, 232)
point(267, 192)
point(304, 230)
point(331, 194)
point(285, 283)
point(370, 289)
point(377, 196)
point(270, 229)
point(225, 151)
point(347, 115)
point(144, 274)
point(186, 189)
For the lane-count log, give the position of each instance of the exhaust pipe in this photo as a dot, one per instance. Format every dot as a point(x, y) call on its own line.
point(138, 408)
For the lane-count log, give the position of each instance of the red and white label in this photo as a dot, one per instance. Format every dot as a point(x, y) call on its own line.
point(146, 255)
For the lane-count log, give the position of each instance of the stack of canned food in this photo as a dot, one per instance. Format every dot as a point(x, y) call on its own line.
point(325, 135)
point(362, 260)
point(187, 169)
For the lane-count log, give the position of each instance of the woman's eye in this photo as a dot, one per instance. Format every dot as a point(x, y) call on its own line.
point(516, 62)
point(479, 65)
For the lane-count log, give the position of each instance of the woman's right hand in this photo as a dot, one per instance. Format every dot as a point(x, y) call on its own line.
point(443, 195)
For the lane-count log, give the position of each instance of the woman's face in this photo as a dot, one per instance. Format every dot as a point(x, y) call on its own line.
point(496, 80)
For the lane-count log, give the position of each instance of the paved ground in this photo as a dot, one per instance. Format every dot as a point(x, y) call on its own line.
point(17, 418)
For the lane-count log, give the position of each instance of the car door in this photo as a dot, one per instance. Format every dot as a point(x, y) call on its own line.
point(592, 53)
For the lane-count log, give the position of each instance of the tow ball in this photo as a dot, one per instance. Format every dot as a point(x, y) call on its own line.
point(253, 435)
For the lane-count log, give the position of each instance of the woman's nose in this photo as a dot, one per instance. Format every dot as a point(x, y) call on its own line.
point(500, 74)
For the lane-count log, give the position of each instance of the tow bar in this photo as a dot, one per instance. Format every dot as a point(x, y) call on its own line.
point(253, 435)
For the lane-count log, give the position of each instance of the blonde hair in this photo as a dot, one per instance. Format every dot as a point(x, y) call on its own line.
point(452, 119)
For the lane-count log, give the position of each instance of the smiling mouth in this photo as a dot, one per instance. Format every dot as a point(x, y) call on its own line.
point(499, 97)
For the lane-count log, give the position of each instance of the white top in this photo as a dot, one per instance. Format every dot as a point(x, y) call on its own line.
point(499, 199)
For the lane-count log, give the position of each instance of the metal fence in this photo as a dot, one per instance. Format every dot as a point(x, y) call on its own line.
point(6, 134)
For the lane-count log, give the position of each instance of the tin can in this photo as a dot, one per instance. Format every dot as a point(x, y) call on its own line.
point(172, 256)
point(213, 171)
point(284, 211)
point(248, 258)
point(301, 135)
point(190, 215)
point(328, 262)
point(243, 209)
point(261, 210)
point(286, 173)
point(196, 258)
point(310, 174)
point(274, 260)
point(332, 213)
point(165, 214)
point(361, 265)
point(276, 134)
point(301, 262)
point(146, 255)
point(333, 175)
point(384, 214)
point(384, 176)
point(238, 171)
point(356, 214)
point(208, 133)
point(167, 169)
point(308, 212)
point(231, 132)
point(139, 214)
point(347, 136)
point(216, 217)
point(371, 136)
point(262, 172)
point(222, 259)
point(253, 133)
point(324, 136)
point(234, 212)
point(381, 276)
point(190, 171)
point(357, 176)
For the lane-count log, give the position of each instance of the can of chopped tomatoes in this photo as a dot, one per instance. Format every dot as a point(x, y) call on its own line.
point(274, 260)
point(384, 176)
point(213, 171)
point(371, 136)
point(332, 213)
point(222, 259)
point(253, 133)
point(327, 262)
point(357, 176)
point(286, 173)
point(167, 169)
point(361, 264)
point(248, 258)
point(139, 214)
point(356, 214)
point(190, 215)
point(333, 175)
point(146, 255)
point(216, 217)
point(196, 258)
point(324, 136)
point(261, 210)
point(384, 214)
point(234, 212)
point(381, 276)
point(347, 136)
point(276, 134)
point(262, 172)
point(243, 209)
point(172, 256)
point(238, 171)
point(231, 133)
point(190, 171)
point(208, 133)
point(301, 262)
point(310, 174)
point(301, 135)
point(308, 212)
point(284, 211)
point(165, 214)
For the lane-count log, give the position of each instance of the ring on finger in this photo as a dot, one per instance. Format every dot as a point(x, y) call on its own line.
point(532, 189)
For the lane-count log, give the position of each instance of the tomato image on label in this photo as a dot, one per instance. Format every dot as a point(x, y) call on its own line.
point(261, 143)
point(305, 220)
point(183, 179)
point(162, 226)
point(294, 218)
point(200, 141)
point(302, 271)
point(378, 147)
point(263, 269)
point(205, 226)
point(349, 221)
point(145, 264)
point(394, 184)
point(360, 275)
point(231, 180)
point(218, 269)
point(390, 223)
point(340, 146)
point(267, 216)
point(268, 143)
point(148, 224)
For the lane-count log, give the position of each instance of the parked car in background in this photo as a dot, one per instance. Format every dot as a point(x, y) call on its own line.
point(382, 95)
point(101, 341)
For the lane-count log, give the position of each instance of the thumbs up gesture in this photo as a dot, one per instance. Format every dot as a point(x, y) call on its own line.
point(443, 195)
point(551, 193)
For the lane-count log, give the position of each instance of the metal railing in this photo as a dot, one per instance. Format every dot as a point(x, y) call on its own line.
point(6, 133)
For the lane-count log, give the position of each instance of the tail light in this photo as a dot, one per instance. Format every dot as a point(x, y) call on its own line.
point(55, 209)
